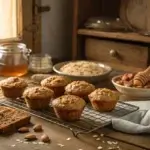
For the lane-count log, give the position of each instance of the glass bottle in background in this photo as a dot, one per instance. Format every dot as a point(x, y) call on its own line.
point(40, 63)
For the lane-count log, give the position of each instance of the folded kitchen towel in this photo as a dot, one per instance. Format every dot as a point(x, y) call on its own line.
point(134, 123)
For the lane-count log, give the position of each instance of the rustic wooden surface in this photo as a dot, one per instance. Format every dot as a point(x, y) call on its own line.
point(59, 135)
point(129, 36)
point(126, 54)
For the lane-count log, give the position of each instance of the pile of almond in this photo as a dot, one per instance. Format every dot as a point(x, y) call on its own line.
point(127, 81)
point(31, 136)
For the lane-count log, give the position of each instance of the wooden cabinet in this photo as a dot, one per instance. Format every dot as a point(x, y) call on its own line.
point(128, 51)
point(120, 55)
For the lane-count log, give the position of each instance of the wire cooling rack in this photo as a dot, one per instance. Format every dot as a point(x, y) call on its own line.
point(90, 120)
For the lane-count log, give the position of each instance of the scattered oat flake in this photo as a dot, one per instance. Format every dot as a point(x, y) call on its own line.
point(109, 142)
point(115, 143)
point(80, 149)
point(34, 143)
point(41, 143)
point(13, 145)
point(112, 148)
point(61, 145)
point(98, 139)
point(25, 142)
point(18, 140)
point(103, 141)
point(102, 135)
point(95, 135)
point(99, 147)
point(36, 148)
point(118, 147)
point(68, 139)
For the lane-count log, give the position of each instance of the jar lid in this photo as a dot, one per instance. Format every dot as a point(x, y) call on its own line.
point(12, 47)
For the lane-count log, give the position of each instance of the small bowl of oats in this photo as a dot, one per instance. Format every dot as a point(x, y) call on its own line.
point(89, 71)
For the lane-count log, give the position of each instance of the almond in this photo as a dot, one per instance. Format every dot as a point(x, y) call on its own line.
point(37, 128)
point(130, 75)
point(23, 130)
point(128, 83)
point(147, 86)
point(30, 137)
point(125, 77)
point(119, 82)
point(45, 138)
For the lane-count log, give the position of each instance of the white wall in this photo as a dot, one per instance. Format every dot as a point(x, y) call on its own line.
point(57, 28)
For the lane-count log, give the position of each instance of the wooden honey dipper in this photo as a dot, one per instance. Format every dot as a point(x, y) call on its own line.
point(141, 78)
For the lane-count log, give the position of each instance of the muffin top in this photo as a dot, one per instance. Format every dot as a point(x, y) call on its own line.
point(103, 94)
point(70, 102)
point(13, 82)
point(80, 88)
point(55, 81)
point(38, 92)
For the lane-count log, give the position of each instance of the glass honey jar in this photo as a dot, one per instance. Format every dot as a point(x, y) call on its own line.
point(14, 59)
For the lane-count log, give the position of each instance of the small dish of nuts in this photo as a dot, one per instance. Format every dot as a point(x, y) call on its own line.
point(126, 86)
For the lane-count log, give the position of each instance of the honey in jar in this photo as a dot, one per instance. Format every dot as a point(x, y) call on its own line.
point(18, 70)
point(13, 59)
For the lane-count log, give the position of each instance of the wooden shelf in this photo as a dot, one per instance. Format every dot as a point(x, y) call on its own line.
point(130, 36)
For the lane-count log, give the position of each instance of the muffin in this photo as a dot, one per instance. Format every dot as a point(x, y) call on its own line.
point(38, 97)
point(56, 83)
point(13, 87)
point(80, 88)
point(68, 107)
point(103, 99)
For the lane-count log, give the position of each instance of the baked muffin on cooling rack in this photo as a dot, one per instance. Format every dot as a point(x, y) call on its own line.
point(38, 97)
point(13, 87)
point(68, 107)
point(79, 88)
point(56, 83)
point(103, 99)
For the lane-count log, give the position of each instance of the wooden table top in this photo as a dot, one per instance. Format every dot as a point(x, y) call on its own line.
point(59, 136)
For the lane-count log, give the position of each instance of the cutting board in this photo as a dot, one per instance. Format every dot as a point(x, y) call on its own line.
point(136, 14)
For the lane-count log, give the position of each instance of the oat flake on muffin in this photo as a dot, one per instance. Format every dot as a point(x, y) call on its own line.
point(68, 107)
point(38, 97)
point(13, 82)
point(79, 88)
point(38, 92)
point(103, 99)
point(69, 102)
point(13, 87)
point(103, 93)
point(55, 81)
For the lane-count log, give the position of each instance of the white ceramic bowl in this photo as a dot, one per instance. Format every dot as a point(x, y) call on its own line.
point(92, 79)
point(131, 91)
